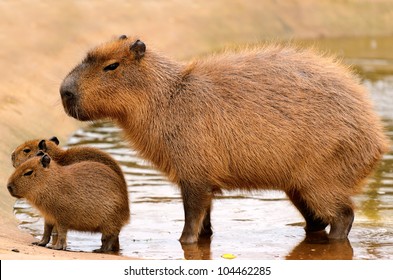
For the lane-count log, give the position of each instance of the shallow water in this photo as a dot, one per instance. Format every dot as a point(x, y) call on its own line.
point(262, 225)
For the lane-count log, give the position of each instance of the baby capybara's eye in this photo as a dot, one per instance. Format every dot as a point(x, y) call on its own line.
point(26, 151)
point(111, 67)
point(28, 173)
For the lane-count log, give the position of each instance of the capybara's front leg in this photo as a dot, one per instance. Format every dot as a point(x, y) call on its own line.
point(61, 243)
point(206, 230)
point(196, 202)
point(47, 234)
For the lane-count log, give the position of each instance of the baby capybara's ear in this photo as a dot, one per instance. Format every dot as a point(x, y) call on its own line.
point(45, 160)
point(42, 145)
point(138, 48)
point(55, 140)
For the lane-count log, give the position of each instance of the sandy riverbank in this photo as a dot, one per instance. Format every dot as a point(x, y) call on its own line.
point(41, 41)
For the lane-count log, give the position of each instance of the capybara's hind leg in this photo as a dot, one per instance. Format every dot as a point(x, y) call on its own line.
point(109, 243)
point(47, 234)
point(313, 223)
point(196, 202)
point(342, 223)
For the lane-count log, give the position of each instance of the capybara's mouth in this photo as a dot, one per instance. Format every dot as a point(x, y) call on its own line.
point(73, 110)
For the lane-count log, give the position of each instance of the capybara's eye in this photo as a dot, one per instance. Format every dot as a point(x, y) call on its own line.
point(27, 150)
point(28, 173)
point(111, 67)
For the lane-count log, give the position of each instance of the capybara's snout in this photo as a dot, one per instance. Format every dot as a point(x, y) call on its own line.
point(68, 91)
point(11, 188)
point(70, 98)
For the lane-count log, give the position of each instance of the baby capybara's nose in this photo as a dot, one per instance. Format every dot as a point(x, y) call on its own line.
point(10, 188)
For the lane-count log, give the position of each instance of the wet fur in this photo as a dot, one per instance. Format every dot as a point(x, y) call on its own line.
point(270, 117)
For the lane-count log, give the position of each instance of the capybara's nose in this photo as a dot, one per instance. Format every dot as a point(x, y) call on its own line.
point(68, 89)
point(66, 94)
point(10, 188)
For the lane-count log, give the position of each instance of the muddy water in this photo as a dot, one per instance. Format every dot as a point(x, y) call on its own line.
point(263, 225)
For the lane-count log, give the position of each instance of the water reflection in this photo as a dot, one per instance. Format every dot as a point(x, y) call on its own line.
point(198, 251)
point(261, 225)
point(316, 246)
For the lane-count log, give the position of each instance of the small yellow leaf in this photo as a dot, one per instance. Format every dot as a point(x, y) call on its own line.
point(228, 256)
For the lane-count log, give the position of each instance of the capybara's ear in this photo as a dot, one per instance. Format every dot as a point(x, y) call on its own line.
point(45, 160)
point(54, 140)
point(123, 37)
point(42, 145)
point(40, 153)
point(138, 48)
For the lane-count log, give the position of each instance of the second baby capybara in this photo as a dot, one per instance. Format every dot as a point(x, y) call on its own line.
point(63, 156)
point(269, 117)
point(85, 196)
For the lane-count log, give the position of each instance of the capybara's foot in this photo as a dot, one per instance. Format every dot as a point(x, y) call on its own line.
point(104, 250)
point(188, 238)
point(341, 225)
point(316, 237)
point(109, 243)
point(41, 243)
point(59, 246)
point(61, 243)
point(206, 232)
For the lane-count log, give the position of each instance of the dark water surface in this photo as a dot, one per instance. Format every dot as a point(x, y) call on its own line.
point(262, 225)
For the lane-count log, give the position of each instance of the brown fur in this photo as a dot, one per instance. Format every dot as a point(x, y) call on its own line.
point(63, 156)
point(270, 117)
point(85, 196)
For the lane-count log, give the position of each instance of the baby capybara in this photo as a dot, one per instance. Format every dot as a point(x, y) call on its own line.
point(270, 117)
point(63, 156)
point(85, 196)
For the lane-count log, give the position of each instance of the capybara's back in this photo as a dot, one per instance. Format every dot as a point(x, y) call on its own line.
point(268, 117)
point(85, 196)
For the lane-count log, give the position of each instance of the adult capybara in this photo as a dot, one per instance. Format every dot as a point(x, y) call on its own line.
point(270, 117)
point(85, 196)
point(63, 156)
